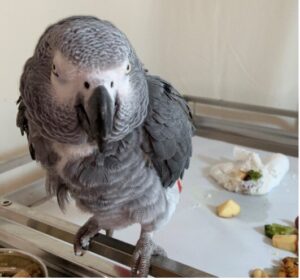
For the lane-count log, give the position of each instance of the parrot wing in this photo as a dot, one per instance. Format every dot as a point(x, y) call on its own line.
point(36, 143)
point(22, 123)
point(168, 131)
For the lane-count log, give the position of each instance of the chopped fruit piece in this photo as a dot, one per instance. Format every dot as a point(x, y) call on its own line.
point(285, 242)
point(228, 209)
point(259, 273)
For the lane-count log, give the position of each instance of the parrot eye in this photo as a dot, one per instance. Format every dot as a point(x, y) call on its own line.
point(53, 70)
point(128, 68)
point(111, 84)
point(86, 85)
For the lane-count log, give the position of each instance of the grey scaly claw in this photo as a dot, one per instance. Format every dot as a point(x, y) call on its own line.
point(141, 259)
point(82, 242)
point(84, 235)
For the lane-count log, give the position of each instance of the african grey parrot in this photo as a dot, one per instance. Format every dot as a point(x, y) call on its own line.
point(108, 134)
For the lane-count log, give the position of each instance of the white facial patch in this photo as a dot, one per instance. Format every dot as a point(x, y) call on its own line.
point(115, 80)
point(68, 80)
point(64, 79)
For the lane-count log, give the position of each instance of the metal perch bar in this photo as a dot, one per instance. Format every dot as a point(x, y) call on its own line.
point(112, 249)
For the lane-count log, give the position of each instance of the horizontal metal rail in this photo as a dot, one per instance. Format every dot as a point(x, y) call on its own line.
point(247, 129)
point(241, 106)
point(263, 140)
point(112, 249)
point(14, 162)
point(30, 195)
point(243, 133)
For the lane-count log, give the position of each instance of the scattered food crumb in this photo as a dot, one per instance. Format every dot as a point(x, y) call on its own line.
point(259, 273)
point(197, 205)
point(273, 229)
point(288, 242)
point(228, 209)
point(288, 268)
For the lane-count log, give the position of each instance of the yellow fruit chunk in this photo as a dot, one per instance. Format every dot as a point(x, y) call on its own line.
point(228, 209)
point(285, 242)
point(259, 273)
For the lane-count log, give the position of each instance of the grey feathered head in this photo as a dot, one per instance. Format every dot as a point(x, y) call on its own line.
point(84, 83)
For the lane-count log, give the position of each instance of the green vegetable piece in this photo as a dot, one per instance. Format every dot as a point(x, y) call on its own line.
point(273, 229)
point(252, 175)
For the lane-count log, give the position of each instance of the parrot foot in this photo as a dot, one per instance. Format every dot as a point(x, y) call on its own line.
point(144, 249)
point(85, 234)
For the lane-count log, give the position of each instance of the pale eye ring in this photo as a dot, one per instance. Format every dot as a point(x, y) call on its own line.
point(128, 68)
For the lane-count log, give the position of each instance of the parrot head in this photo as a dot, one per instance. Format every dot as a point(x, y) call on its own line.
point(92, 72)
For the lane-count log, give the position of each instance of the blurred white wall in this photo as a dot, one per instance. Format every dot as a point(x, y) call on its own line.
point(238, 50)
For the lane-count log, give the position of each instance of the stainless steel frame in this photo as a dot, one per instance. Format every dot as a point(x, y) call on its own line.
point(242, 133)
point(51, 238)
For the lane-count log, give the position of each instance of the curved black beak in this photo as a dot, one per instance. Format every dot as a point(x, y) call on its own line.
point(99, 113)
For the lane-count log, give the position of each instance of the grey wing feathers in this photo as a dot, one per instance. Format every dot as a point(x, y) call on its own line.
point(22, 123)
point(39, 147)
point(168, 131)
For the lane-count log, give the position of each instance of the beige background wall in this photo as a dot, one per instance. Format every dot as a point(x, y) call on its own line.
point(239, 50)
